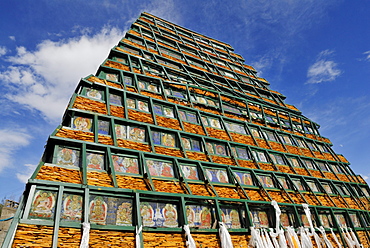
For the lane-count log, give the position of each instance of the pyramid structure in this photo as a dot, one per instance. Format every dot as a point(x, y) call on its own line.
point(176, 141)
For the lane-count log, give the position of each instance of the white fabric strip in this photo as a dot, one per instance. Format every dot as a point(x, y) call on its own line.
point(335, 238)
point(268, 240)
point(85, 235)
point(292, 238)
point(347, 238)
point(354, 238)
point(305, 239)
point(225, 236)
point(274, 238)
point(190, 243)
point(326, 240)
point(137, 237)
point(278, 232)
point(255, 240)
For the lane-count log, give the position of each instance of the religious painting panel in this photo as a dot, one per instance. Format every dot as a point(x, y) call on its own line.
point(190, 172)
point(67, 157)
point(137, 134)
point(105, 210)
point(160, 168)
point(168, 140)
point(266, 181)
point(95, 161)
point(121, 131)
point(94, 93)
point(341, 220)
point(124, 164)
point(199, 216)
point(326, 220)
point(111, 77)
point(103, 127)
point(155, 214)
point(217, 175)
point(259, 219)
point(82, 124)
point(43, 205)
point(244, 178)
point(231, 218)
point(71, 208)
point(115, 99)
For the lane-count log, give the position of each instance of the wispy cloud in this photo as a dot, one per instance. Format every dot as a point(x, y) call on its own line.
point(324, 69)
point(367, 54)
point(279, 25)
point(11, 141)
point(166, 9)
point(3, 50)
point(28, 169)
point(12, 38)
point(43, 79)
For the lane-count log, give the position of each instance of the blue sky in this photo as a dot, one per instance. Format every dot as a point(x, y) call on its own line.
point(317, 53)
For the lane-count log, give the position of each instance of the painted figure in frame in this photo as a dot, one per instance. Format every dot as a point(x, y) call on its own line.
point(124, 214)
point(147, 214)
point(170, 216)
point(72, 208)
point(43, 204)
point(98, 211)
point(67, 157)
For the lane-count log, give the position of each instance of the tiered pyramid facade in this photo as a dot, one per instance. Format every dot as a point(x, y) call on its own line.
point(175, 130)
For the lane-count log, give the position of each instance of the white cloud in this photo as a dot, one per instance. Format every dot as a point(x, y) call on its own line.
point(27, 173)
point(165, 9)
point(3, 50)
point(11, 141)
point(12, 37)
point(49, 74)
point(367, 55)
point(323, 70)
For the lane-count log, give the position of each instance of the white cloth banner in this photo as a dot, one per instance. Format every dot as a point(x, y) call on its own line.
point(292, 238)
point(335, 238)
point(225, 236)
point(85, 235)
point(348, 238)
point(274, 238)
point(326, 240)
point(190, 243)
point(354, 238)
point(256, 240)
point(137, 236)
point(305, 239)
point(278, 232)
point(312, 229)
point(268, 240)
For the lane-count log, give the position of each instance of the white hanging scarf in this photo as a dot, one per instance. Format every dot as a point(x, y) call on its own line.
point(225, 236)
point(354, 238)
point(190, 243)
point(312, 229)
point(263, 237)
point(85, 235)
point(335, 238)
point(278, 232)
point(282, 240)
point(273, 238)
point(326, 240)
point(292, 238)
point(347, 238)
point(268, 240)
point(137, 236)
point(256, 240)
point(305, 239)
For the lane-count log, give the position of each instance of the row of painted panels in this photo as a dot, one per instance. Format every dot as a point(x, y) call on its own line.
point(106, 210)
point(70, 158)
